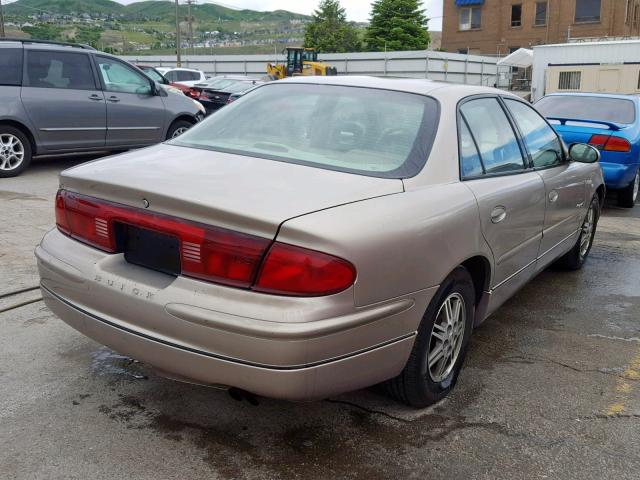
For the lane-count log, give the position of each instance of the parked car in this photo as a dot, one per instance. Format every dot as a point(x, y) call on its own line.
point(160, 79)
point(215, 97)
point(609, 122)
point(70, 98)
point(185, 76)
point(321, 235)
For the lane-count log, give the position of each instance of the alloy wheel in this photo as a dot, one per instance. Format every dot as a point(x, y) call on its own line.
point(586, 232)
point(447, 333)
point(636, 186)
point(11, 152)
point(179, 131)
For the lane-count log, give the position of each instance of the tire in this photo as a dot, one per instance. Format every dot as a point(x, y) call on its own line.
point(418, 385)
point(177, 128)
point(15, 151)
point(575, 258)
point(627, 196)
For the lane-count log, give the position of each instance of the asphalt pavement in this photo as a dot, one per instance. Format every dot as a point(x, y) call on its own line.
point(551, 387)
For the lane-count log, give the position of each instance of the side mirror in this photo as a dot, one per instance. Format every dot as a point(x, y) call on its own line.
point(583, 153)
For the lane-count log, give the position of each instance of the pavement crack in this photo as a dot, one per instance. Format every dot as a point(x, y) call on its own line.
point(17, 292)
point(369, 410)
point(21, 304)
point(525, 357)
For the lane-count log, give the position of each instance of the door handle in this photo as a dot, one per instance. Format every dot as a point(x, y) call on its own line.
point(498, 214)
point(95, 97)
point(113, 99)
point(553, 196)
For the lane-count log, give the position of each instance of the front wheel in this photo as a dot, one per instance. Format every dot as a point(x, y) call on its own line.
point(628, 196)
point(441, 343)
point(575, 258)
point(177, 128)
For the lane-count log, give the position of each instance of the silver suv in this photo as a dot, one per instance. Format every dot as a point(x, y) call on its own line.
point(59, 98)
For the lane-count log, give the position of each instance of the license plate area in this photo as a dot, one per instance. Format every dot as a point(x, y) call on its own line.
point(150, 249)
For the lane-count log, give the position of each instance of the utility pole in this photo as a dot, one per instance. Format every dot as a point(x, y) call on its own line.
point(190, 20)
point(1, 21)
point(178, 41)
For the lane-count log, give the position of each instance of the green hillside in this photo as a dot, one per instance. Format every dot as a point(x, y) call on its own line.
point(159, 10)
point(63, 7)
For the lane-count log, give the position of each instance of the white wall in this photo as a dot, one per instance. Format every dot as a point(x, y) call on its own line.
point(450, 67)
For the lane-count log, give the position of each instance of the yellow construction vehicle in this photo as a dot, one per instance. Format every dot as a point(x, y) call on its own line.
point(300, 61)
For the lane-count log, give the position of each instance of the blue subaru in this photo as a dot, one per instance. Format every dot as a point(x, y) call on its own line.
point(609, 122)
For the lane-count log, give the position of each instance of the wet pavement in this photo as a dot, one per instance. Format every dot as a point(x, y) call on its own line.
point(551, 387)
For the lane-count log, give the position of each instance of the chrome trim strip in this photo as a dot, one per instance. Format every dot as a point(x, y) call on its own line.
point(532, 262)
point(558, 244)
point(133, 128)
point(222, 357)
point(74, 129)
point(513, 275)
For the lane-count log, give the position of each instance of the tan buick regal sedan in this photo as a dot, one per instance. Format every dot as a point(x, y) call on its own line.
point(320, 235)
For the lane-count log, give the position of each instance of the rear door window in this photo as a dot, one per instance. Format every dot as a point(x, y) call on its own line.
point(10, 66)
point(496, 141)
point(52, 69)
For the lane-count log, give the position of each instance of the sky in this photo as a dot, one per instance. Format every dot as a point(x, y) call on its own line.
point(357, 10)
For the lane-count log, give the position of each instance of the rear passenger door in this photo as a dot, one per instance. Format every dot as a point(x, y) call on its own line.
point(63, 101)
point(510, 195)
point(564, 182)
point(135, 116)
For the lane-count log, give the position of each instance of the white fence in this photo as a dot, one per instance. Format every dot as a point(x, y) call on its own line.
point(447, 67)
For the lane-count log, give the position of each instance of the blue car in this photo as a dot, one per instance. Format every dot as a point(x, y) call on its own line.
point(610, 123)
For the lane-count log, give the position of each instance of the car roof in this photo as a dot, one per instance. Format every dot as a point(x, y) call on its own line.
point(622, 96)
point(185, 69)
point(409, 85)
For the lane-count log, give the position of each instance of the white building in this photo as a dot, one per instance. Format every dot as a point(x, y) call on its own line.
point(604, 66)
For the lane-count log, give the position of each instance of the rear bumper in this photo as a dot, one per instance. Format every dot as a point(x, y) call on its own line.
point(295, 349)
point(618, 175)
point(303, 383)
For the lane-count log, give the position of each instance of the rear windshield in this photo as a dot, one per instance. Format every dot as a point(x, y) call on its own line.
point(239, 87)
point(582, 107)
point(360, 130)
point(10, 66)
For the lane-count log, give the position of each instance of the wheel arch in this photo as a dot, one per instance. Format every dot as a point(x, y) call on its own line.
point(24, 129)
point(601, 192)
point(182, 117)
point(479, 267)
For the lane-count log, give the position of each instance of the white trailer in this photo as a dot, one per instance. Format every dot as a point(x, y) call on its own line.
point(606, 66)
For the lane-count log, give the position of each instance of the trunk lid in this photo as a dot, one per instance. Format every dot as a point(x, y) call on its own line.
point(246, 194)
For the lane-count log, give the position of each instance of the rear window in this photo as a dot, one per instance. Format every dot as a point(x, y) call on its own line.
point(10, 66)
point(582, 107)
point(360, 130)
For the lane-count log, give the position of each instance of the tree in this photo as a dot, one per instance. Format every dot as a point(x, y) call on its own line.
point(397, 25)
point(330, 32)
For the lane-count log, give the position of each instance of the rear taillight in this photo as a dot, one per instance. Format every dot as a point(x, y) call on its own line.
point(209, 253)
point(299, 271)
point(610, 143)
point(194, 93)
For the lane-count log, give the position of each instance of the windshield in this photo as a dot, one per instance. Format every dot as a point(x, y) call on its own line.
point(361, 130)
point(219, 82)
point(151, 73)
point(583, 107)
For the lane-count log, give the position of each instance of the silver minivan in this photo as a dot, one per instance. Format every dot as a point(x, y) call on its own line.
point(59, 98)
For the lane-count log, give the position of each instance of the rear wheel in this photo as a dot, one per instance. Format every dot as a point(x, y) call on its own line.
point(628, 196)
point(15, 151)
point(177, 128)
point(440, 347)
point(575, 258)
